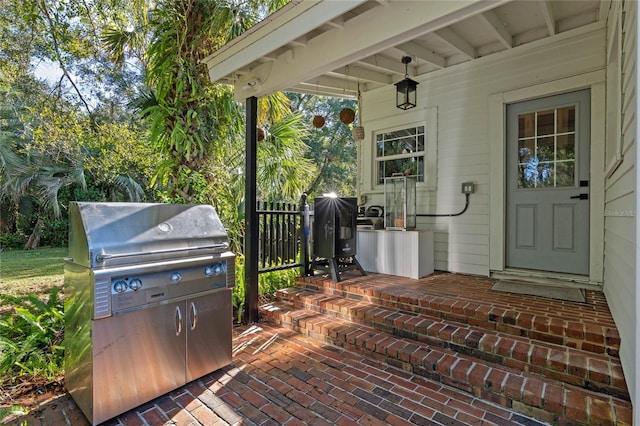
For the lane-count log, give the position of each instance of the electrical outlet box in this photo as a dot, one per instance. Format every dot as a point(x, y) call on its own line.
point(468, 187)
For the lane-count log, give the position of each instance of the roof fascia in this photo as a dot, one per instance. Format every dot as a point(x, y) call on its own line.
point(290, 22)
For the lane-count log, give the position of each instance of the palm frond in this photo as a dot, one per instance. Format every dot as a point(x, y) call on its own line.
point(144, 102)
point(130, 187)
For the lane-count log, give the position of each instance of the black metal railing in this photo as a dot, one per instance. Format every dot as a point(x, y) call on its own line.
point(283, 242)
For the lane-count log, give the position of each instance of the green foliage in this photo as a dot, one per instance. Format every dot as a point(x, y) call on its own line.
point(283, 170)
point(189, 116)
point(270, 282)
point(332, 147)
point(13, 410)
point(74, 127)
point(55, 233)
point(31, 337)
point(237, 297)
point(12, 240)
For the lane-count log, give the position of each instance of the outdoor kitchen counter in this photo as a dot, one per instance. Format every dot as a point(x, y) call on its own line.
point(403, 253)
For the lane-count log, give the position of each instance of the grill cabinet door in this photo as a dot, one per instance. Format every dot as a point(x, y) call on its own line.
point(209, 323)
point(138, 356)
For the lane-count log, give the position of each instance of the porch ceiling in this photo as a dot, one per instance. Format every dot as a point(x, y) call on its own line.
point(332, 47)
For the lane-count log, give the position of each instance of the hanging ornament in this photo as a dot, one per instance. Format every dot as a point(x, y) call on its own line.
point(318, 121)
point(347, 115)
point(358, 131)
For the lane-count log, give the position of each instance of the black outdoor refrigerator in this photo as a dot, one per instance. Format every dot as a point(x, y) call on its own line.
point(335, 235)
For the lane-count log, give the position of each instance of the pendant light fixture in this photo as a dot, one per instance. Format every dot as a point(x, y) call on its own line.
point(406, 90)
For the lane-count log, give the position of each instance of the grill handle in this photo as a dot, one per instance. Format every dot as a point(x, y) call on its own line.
point(102, 257)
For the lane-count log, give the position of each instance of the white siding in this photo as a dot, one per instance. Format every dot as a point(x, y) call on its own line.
point(461, 96)
point(620, 210)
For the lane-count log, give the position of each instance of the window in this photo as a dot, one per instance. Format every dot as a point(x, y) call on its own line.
point(400, 152)
point(546, 148)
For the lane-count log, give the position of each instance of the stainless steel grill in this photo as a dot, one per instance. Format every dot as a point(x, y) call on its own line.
point(148, 302)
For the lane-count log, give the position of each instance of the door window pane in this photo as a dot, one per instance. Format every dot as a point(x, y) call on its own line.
point(527, 125)
point(566, 147)
point(526, 150)
point(546, 174)
point(565, 173)
point(546, 148)
point(545, 123)
point(527, 175)
point(566, 120)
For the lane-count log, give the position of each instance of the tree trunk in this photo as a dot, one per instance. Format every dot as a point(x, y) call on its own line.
point(34, 238)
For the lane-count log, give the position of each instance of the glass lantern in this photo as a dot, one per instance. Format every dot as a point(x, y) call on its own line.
point(400, 203)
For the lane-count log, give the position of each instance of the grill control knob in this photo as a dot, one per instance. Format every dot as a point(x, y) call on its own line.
point(135, 284)
point(176, 277)
point(215, 269)
point(120, 286)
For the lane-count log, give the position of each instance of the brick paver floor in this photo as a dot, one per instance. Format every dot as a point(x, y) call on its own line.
point(279, 377)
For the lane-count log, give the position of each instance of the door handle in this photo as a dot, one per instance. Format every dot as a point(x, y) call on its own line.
point(178, 321)
point(580, 197)
point(194, 316)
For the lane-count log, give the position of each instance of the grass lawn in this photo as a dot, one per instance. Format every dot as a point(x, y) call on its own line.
point(31, 271)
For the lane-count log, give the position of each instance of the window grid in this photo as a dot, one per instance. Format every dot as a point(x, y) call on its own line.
point(400, 152)
point(539, 167)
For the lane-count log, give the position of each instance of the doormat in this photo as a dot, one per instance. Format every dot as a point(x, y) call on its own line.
point(570, 294)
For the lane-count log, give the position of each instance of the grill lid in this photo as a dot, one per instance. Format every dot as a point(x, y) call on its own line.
point(110, 234)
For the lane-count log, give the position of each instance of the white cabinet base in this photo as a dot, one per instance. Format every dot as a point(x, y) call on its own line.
point(402, 253)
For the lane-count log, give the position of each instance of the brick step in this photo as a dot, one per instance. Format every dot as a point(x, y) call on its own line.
point(580, 328)
point(530, 394)
point(598, 372)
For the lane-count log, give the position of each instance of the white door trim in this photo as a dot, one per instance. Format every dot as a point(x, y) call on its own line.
point(595, 81)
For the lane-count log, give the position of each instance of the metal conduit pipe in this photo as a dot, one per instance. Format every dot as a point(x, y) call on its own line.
point(466, 206)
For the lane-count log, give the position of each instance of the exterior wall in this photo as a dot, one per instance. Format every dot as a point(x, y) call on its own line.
point(461, 96)
point(621, 198)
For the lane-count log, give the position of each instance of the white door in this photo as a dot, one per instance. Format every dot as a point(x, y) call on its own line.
point(548, 142)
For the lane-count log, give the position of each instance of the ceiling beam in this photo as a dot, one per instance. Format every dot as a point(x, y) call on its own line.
point(385, 63)
point(336, 22)
point(414, 49)
point(457, 42)
point(549, 17)
point(328, 85)
point(362, 73)
point(310, 90)
point(300, 41)
point(493, 24)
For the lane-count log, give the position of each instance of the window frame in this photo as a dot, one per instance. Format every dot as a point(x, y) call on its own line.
point(418, 155)
point(427, 117)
